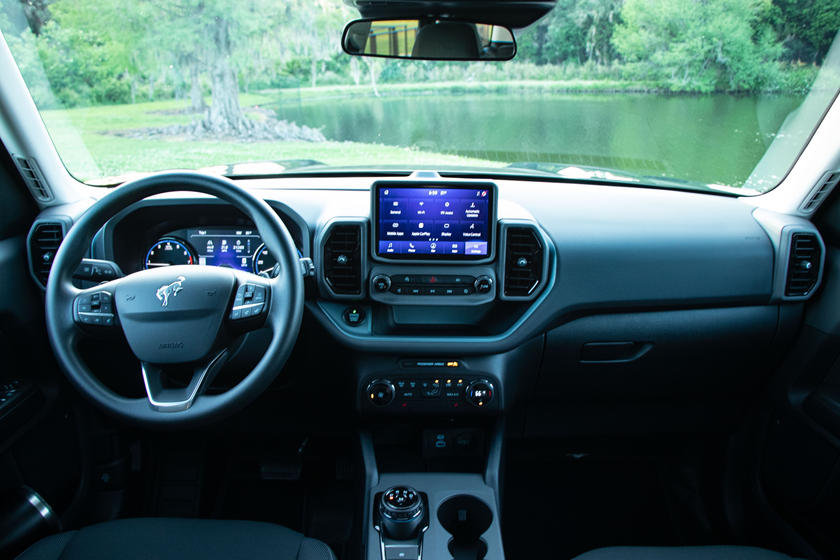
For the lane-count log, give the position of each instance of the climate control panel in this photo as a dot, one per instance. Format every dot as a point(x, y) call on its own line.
point(432, 285)
point(430, 393)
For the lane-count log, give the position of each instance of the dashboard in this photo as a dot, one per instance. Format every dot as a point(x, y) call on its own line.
point(436, 286)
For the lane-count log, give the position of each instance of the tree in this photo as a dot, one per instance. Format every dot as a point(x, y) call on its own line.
point(37, 14)
point(714, 45)
point(807, 27)
point(574, 30)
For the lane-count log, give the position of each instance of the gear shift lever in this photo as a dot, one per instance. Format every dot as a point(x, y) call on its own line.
point(401, 512)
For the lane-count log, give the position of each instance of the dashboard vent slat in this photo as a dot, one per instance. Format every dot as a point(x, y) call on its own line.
point(43, 244)
point(523, 261)
point(343, 258)
point(34, 179)
point(820, 192)
point(803, 264)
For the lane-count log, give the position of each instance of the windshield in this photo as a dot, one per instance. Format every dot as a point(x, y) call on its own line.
point(722, 92)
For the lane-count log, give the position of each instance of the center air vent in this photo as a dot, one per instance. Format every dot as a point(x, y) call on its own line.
point(44, 240)
point(343, 259)
point(524, 255)
point(803, 264)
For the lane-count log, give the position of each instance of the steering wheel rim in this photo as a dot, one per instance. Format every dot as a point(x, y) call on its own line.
point(283, 316)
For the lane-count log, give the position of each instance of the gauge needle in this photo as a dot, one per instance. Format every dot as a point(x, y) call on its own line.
point(158, 264)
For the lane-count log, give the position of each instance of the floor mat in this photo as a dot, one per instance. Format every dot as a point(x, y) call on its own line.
point(559, 503)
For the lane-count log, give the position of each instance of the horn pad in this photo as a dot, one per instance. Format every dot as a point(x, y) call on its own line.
point(174, 314)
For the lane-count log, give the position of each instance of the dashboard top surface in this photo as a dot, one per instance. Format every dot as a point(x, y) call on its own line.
point(610, 249)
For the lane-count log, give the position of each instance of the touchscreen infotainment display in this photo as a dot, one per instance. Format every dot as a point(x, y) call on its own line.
point(434, 222)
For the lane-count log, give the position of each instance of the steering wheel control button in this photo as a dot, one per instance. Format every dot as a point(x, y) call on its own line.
point(480, 393)
point(381, 283)
point(249, 301)
point(354, 316)
point(380, 392)
point(94, 308)
point(95, 270)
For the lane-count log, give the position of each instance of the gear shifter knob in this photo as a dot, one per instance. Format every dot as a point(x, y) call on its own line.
point(401, 512)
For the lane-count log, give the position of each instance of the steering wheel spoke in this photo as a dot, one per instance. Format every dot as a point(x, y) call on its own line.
point(175, 399)
point(95, 310)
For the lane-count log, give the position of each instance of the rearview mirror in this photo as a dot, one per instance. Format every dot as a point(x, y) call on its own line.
point(433, 39)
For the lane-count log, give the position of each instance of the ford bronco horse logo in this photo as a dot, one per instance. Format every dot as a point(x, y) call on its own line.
point(164, 292)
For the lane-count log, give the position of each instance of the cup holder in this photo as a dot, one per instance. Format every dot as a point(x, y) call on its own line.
point(466, 518)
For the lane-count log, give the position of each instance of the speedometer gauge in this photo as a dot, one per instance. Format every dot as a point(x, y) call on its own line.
point(263, 261)
point(168, 252)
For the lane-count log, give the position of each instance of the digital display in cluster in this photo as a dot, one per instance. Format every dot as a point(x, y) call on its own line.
point(230, 247)
point(434, 222)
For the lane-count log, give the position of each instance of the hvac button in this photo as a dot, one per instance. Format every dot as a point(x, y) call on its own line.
point(354, 316)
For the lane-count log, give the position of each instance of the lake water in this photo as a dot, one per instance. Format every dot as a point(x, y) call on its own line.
point(713, 139)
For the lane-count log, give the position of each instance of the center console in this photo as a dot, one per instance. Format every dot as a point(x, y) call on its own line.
point(433, 266)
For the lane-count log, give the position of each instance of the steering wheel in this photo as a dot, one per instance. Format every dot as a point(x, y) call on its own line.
point(178, 317)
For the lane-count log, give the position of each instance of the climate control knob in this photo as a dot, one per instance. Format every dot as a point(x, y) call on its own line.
point(483, 285)
point(380, 392)
point(480, 393)
point(381, 283)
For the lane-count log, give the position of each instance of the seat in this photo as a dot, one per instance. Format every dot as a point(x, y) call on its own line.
point(447, 39)
point(682, 553)
point(168, 538)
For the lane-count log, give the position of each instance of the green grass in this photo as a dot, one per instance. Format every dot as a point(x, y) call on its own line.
point(455, 87)
point(84, 139)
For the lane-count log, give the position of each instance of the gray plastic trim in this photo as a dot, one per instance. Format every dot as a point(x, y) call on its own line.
point(438, 487)
point(321, 239)
point(819, 193)
point(329, 315)
point(504, 225)
point(780, 228)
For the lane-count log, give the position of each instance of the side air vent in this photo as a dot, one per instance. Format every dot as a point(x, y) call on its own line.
point(524, 256)
point(44, 240)
point(343, 259)
point(803, 264)
point(820, 192)
point(34, 179)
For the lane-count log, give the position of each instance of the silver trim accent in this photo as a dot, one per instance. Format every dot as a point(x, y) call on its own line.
point(192, 389)
point(40, 505)
point(247, 305)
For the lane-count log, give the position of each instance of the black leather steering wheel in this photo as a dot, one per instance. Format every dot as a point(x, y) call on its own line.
point(180, 317)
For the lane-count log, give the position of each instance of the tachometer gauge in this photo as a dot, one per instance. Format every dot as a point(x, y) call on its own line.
point(168, 252)
point(264, 262)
